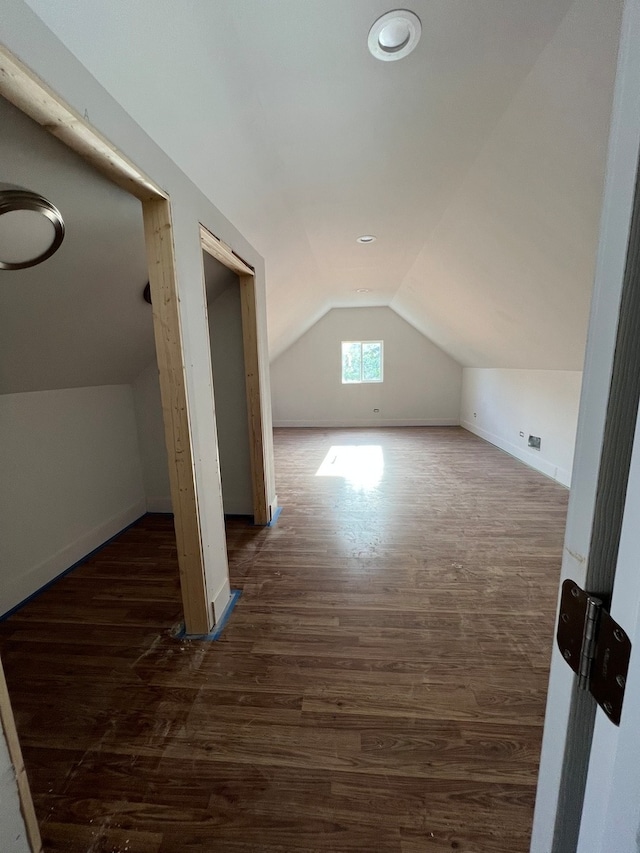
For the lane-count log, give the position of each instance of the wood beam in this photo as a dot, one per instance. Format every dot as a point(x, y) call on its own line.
point(213, 246)
point(198, 613)
point(28, 92)
point(15, 753)
point(254, 400)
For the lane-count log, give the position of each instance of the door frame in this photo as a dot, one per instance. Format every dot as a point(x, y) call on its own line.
point(212, 245)
point(559, 804)
point(612, 797)
point(25, 90)
point(8, 725)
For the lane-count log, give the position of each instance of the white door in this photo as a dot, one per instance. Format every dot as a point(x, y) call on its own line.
point(554, 804)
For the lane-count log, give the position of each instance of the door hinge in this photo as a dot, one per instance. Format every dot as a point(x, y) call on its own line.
point(595, 647)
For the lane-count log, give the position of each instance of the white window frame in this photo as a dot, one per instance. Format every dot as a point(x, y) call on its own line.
point(362, 380)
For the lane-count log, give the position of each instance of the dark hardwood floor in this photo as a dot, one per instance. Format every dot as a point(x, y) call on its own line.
point(380, 685)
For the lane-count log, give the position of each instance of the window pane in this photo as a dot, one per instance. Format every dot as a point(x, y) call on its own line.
point(372, 362)
point(351, 362)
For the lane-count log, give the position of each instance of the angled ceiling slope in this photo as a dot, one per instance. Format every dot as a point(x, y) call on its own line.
point(78, 319)
point(477, 161)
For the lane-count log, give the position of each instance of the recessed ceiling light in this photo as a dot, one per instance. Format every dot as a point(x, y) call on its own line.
point(367, 238)
point(394, 35)
point(363, 290)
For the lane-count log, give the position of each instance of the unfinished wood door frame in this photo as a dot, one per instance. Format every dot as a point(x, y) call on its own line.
point(198, 613)
point(15, 754)
point(24, 89)
point(215, 247)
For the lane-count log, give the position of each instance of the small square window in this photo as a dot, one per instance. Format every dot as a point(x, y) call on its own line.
point(361, 361)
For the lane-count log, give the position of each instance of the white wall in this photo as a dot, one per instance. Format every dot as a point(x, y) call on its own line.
point(153, 449)
point(500, 404)
point(71, 478)
point(421, 383)
point(229, 387)
point(13, 833)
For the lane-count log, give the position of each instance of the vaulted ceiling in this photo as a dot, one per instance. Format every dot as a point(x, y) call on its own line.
point(477, 161)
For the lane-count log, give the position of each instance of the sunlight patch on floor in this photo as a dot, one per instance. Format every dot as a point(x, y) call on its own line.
point(360, 465)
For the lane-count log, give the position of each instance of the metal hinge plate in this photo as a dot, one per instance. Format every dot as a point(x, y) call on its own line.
point(595, 647)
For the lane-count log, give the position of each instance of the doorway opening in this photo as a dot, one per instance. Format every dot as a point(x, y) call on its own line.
point(224, 316)
point(232, 311)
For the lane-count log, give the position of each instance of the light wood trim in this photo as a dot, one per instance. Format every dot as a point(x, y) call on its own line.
point(213, 246)
point(198, 614)
point(223, 253)
point(15, 753)
point(28, 92)
point(254, 407)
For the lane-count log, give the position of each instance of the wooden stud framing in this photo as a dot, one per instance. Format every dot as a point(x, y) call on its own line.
point(28, 92)
point(15, 753)
point(223, 253)
point(213, 246)
point(254, 407)
point(166, 326)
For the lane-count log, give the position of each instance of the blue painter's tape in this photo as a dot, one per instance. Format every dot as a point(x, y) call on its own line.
point(218, 629)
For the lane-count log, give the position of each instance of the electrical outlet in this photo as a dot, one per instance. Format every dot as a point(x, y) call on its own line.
point(376, 410)
point(521, 434)
point(534, 442)
point(475, 415)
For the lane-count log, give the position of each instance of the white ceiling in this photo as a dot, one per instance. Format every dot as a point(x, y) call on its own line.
point(79, 318)
point(477, 160)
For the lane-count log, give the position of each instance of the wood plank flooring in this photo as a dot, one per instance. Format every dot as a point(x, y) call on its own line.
point(379, 687)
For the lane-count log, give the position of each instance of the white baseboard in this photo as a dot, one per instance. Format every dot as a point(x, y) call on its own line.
point(220, 601)
point(157, 503)
point(530, 458)
point(18, 589)
point(371, 422)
